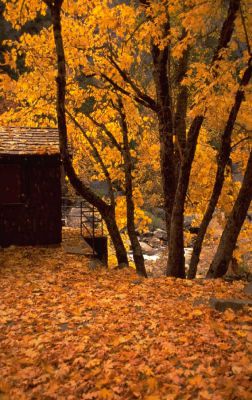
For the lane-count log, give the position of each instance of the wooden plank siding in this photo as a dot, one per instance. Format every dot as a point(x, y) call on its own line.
point(30, 191)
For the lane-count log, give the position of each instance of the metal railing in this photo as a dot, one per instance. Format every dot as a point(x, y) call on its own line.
point(91, 223)
point(78, 213)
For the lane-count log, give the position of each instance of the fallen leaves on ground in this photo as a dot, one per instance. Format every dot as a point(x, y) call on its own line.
point(69, 332)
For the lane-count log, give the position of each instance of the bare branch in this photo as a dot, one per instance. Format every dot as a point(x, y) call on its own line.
point(147, 99)
point(107, 132)
point(227, 29)
point(96, 153)
point(242, 128)
point(135, 30)
point(239, 141)
point(126, 92)
point(245, 30)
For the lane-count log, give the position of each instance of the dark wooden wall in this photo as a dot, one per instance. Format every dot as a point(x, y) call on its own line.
point(30, 200)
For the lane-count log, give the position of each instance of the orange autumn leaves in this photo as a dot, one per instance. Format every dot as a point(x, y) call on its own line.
point(68, 332)
point(93, 32)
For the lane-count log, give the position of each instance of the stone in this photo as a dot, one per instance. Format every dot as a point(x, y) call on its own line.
point(158, 212)
point(75, 250)
point(147, 249)
point(199, 302)
point(73, 219)
point(147, 234)
point(248, 289)
point(154, 242)
point(188, 220)
point(96, 263)
point(137, 282)
point(223, 304)
point(160, 234)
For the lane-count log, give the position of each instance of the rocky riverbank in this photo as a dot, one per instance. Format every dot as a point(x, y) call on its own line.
point(155, 250)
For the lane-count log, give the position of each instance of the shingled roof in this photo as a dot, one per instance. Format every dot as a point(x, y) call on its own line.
point(20, 140)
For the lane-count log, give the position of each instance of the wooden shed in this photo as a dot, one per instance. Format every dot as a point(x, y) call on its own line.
point(30, 186)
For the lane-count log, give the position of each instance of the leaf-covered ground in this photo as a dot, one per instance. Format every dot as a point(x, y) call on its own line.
point(70, 332)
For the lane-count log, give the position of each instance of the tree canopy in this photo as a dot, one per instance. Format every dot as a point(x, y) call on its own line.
point(157, 102)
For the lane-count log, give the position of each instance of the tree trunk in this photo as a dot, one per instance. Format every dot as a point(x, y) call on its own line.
point(223, 158)
point(106, 211)
point(165, 126)
point(219, 265)
point(136, 248)
point(116, 238)
point(176, 259)
point(180, 128)
point(181, 108)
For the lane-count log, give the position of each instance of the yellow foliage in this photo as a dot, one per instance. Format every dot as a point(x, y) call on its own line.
point(95, 31)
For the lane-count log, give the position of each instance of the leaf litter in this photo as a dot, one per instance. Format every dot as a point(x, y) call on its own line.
point(71, 332)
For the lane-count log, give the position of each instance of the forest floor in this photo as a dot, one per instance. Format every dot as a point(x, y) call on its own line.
point(68, 331)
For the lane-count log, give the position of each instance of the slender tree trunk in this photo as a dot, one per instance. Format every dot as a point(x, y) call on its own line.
point(176, 259)
point(180, 128)
point(181, 109)
point(136, 248)
point(106, 211)
point(116, 238)
point(165, 126)
point(219, 265)
point(223, 158)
